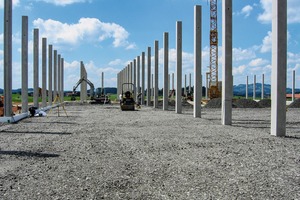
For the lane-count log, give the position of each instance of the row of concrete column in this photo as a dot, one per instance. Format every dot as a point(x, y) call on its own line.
point(56, 80)
point(279, 55)
point(125, 75)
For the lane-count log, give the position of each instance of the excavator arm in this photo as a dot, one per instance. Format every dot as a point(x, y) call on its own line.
point(92, 88)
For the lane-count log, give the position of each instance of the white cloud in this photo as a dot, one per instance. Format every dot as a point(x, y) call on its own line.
point(293, 13)
point(247, 10)
point(1, 38)
point(243, 54)
point(116, 62)
point(238, 70)
point(258, 62)
point(267, 43)
point(64, 2)
point(86, 30)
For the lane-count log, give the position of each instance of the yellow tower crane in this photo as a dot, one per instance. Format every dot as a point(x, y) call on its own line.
point(213, 89)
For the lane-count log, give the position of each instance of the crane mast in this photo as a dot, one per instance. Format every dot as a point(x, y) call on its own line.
point(213, 64)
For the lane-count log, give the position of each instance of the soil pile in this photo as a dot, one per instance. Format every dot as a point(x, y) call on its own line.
point(214, 103)
point(265, 103)
point(246, 103)
point(295, 104)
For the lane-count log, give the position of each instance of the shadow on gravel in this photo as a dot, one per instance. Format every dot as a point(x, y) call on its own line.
point(293, 137)
point(36, 132)
point(29, 154)
point(51, 123)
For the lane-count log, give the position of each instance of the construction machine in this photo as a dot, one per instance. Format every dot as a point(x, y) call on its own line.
point(127, 101)
point(92, 88)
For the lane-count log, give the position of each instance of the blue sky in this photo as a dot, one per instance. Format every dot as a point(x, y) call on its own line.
point(108, 34)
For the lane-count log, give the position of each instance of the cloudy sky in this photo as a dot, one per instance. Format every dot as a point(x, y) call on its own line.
point(108, 34)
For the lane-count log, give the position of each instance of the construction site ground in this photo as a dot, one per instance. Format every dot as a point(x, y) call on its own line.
point(100, 152)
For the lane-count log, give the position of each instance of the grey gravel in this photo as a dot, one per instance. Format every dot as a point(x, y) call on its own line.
point(100, 152)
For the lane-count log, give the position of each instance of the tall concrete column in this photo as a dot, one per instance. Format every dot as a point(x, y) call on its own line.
point(227, 88)
point(166, 72)
point(143, 79)
point(24, 64)
point(197, 60)
point(178, 108)
point(254, 87)
point(134, 79)
point(155, 100)
point(62, 79)
point(247, 81)
point(59, 76)
point(262, 86)
point(184, 89)
point(152, 86)
point(207, 86)
point(169, 83)
point(190, 83)
point(138, 76)
point(36, 68)
point(279, 66)
point(82, 75)
point(293, 87)
point(102, 83)
point(54, 74)
point(173, 81)
point(44, 72)
point(149, 77)
point(50, 73)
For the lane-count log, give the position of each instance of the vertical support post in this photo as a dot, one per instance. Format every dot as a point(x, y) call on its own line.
point(262, 86)
point(62, 79)
point(152, 86)
point(102, 84)
point(166, 71)
point(149, 77)
point(50, 97)
point(169, 83)
point(185, 94)
point(44, 72)
point(190, 83)
point(173, 81)
point(55, 74)
point(178, 108)
point(155, 100)
point(254, 87)
point(59, 76)
point(247, 81)
point(82, 84)
point(227, 87)
point(293, 86)
point(24, 64)
point(207, 86)
point(138, 76)
point(143, 79)
point(279, 66)
point(36, 90)
point(197, 60)
point(134, 79)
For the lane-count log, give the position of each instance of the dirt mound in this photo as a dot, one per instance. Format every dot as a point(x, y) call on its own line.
point(295, 104)
point(214, 103)
point(246, 103)
point(265, 103)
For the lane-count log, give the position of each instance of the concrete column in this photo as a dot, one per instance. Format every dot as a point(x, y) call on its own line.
point(44, 72)
point(54, 74)
point(143, 79)
point(155, 100)
point(293, 86)
point(173, 81)
point(279, 66)
point(62, 80)
point(169, 83)
point(59, 76)
point(102, 84)
point(24, 64)
point(184, 89)
point(166, 72)
point(50, 97)
point(227, 88)
point(152, 86)
point(254, 87)
point(262, 86)
point(82, 84)
point(134, 79)
point(138, 77)
point(149, 77)
point(190, 83)
point(207, 86)
point(178, 108)
point(197, 60)
point(36, 68)
point(247, 81)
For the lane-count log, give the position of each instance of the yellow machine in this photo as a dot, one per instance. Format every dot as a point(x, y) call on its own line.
point(127, 101)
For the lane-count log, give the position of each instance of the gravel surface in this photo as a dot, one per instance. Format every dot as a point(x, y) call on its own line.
point(100, 152)
point(246, 103)
point(265, 103)
point(295, 104)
